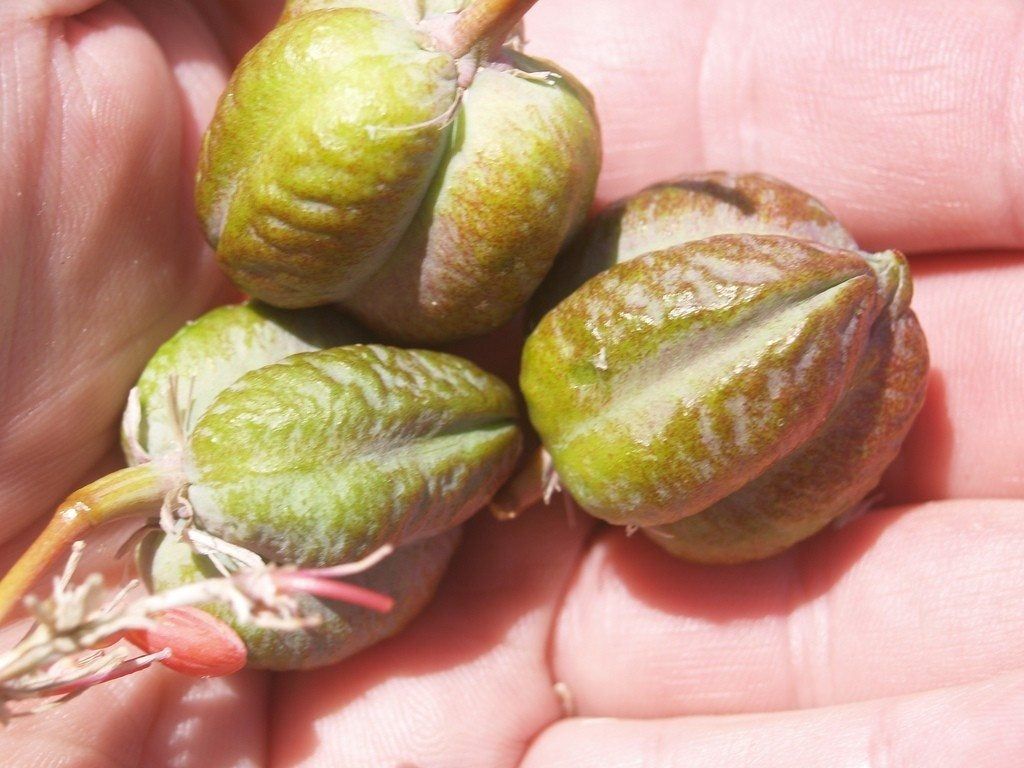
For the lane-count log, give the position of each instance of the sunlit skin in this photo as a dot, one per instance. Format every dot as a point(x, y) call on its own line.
point(895, 639)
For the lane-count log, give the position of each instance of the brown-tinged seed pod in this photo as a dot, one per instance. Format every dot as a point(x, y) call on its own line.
point(729, 395)
point(361, 157)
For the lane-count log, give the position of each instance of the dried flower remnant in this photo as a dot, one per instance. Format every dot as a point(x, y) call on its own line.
point(73, 643)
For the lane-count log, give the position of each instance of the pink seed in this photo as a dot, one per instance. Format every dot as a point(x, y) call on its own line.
point(201, 645)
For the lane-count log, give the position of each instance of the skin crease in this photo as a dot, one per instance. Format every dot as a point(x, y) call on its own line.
point(896, 636)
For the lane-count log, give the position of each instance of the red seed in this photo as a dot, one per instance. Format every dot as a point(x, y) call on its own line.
point(201, 644)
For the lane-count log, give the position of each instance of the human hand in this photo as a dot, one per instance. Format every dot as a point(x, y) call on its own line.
point(896, 637)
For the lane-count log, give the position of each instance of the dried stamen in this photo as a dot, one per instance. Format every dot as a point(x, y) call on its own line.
point(58, 659)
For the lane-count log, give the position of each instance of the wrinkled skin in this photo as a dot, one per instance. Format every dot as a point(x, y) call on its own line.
point(687, 380)
point(409, 575)
point(210, 353)
point(326, 456)
point(915, 147)
point(691, 207)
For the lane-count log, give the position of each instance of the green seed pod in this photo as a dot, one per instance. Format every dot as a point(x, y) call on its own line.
point(735, 393)
point(837, 468)
point(326, 456)
point(352, 160)
point(310, 457)
point(399, 445)
point(409, 575)
point(688, 208)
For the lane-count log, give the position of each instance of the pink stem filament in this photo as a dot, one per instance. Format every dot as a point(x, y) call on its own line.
point(312, 583)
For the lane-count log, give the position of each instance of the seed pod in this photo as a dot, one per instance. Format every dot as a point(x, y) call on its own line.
point(354, 160)
point(770, 376)
point(336, 630)
point(833, 472)
point(402, 445)
point(326, 456)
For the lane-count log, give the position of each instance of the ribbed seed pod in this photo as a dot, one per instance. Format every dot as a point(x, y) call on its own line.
point(688, 208)
point(254, 427)
point(326, 456)
point(210, 353)
point(832, 473)
point(350, 162)
point(729, 395)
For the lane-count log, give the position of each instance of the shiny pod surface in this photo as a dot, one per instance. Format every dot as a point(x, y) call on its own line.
point(192, 367)
point(674, 379)
point(833, 472)
point(319, 153)
point(409, 575)
point(688, 208)
point(344, 164)
point(328, 455)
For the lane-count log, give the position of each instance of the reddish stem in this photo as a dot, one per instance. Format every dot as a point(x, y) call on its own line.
point(524, 489)
point(486, 21)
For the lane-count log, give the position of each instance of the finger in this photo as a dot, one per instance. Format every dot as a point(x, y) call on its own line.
point(895, 602)
point(41, 9)
point(108, 259)
point(967, 441)
point(213, 722)
point(976, 725)
point(907, 120)
point(199, 69)
point(467, 683)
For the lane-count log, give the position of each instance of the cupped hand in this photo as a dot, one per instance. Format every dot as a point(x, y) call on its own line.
point(896, 638)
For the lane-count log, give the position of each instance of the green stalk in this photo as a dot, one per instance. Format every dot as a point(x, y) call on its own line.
point(131, 492)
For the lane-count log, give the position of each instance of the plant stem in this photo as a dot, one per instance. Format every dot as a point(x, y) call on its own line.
point(525, 488)
point(486, 21)
point(134, 491)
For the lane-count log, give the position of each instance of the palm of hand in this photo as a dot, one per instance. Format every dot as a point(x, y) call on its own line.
point(102, 108)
